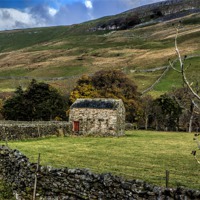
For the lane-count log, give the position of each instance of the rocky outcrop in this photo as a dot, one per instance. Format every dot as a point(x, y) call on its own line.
point(161, 11)
point(164, 8)
point(77, 184)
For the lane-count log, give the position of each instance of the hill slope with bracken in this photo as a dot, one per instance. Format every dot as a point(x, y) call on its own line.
point(60, 55)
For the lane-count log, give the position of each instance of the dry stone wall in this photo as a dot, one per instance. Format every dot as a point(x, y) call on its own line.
point(16, 130)
point(77, 184)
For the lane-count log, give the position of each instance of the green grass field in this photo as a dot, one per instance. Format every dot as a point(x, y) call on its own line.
point(142, 155)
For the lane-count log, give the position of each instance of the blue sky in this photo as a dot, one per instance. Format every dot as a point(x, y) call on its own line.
point(16, 14)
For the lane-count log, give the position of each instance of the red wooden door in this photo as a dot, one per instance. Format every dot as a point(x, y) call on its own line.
point(76, 126)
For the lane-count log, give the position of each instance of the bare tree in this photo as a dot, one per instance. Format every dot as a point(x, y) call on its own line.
point(182, 71)
point(190, 114)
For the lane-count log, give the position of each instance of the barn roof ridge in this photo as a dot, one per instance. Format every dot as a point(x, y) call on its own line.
point(97, 103)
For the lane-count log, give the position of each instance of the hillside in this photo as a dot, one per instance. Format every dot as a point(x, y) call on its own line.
point(60, 55)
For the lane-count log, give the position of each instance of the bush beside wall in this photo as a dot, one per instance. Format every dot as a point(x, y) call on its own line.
point(77, 184)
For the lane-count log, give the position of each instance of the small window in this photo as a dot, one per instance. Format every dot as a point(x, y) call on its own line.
point(76, 126)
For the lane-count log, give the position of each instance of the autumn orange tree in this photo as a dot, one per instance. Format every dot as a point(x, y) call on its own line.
point(110, 84)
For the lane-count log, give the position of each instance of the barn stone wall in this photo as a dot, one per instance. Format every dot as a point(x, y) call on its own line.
point(98, 116)
point(121, 119)
point(78, 184)
point(97, 121)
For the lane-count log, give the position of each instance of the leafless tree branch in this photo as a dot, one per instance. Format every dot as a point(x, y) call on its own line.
point(182, 69)
point(172, 66)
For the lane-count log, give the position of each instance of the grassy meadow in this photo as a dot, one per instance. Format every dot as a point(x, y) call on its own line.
point(142, 155)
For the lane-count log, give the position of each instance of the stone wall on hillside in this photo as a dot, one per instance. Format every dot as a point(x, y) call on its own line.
point(77, 184)
point(17, 130)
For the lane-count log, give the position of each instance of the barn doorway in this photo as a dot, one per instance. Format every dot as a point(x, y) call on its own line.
point(76, 126)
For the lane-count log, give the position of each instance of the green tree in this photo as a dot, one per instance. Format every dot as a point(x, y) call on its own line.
point(168, 113)
point(110, 84)
point(38, 102)
point(147, 110)
point(14, 107)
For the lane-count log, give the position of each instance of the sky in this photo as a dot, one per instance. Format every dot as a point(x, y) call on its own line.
point(17, 14)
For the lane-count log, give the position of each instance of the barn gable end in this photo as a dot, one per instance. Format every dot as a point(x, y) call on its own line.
point(98, 117)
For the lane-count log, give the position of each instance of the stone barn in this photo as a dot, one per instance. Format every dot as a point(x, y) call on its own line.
point(98, 117)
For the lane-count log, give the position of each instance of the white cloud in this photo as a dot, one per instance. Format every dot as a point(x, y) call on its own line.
point(12, 18)
point(52, 11)
point(88, 4)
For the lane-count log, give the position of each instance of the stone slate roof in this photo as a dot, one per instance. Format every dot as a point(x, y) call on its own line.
point(97, 103)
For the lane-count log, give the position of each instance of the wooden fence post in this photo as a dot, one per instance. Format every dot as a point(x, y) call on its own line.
point(35, 184)
point(167, 178)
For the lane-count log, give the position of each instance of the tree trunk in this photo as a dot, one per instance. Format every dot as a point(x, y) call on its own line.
point(190, 123)
point(146, 122)
point(156, 125)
